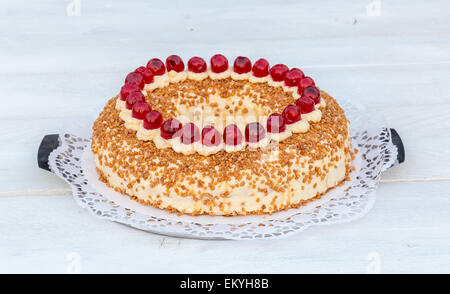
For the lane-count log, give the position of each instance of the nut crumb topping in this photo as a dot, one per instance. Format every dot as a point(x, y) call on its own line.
point(192, 93)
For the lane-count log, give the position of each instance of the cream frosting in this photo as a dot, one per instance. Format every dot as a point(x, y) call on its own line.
point(205, 116)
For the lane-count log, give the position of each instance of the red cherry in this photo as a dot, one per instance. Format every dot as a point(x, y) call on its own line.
point(254, 132)
point(135, 78)
point(261, 68)
point(292, 114)
point(140, 109)
point(156, 66)
point(148, 76)
point(232, 135)
point(197, 64)
point(146, 73)
point(302, 74)
point(127, 89)
point(133, 98)
point(313, 93)
point(152, 120)
point(242, 65)
point(305, 83)
point(293, 77)
point(306, 104)
point(174, 62)
point(171, 128)
point(219, 63)
point(140, 69)
point(276, 123)
point(210, 136)
point(278, 71)
point(190, 134)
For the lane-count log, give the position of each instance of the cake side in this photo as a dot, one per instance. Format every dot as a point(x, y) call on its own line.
point(296, 170)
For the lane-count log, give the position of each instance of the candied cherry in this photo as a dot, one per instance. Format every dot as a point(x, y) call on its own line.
point(140, 109)
point(278, 71)
point(140, 69)
point(292, 114)
point(174, 62)
point(242, 65)
point(152, 120)
point(305, 83)
point(135, 78)
point(313, 93)
point(210, 136)
point(299, 71)
point(293, 77)
point(146, 73)
point(306, 104)
point(197, 64)
point(156, 66)
point(127, 89)
point(190, 134)
point(254, 132)
point(219, 63)
point(261, 68)
point(171, 128)
point(133, 98)
point(232, 135)
point(276, 123)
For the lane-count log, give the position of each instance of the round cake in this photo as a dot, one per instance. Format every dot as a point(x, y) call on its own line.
point(221, 139)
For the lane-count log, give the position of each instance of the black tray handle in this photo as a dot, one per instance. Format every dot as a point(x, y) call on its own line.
point(51, 142)
point(397, 141)
point(48, 144)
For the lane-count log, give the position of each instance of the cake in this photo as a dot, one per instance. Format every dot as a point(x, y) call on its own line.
point(221, 139)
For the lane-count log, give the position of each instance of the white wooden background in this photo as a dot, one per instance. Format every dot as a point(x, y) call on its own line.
point(57, 71)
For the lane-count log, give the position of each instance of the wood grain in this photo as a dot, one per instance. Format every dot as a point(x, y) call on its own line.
point(402, 230)
point(57, 72)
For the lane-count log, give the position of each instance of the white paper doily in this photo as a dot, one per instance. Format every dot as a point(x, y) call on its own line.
point(72, 161)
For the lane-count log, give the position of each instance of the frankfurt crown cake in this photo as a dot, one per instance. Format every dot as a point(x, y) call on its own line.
point(221, 139)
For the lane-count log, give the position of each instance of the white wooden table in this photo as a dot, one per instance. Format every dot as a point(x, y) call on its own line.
point(57, 71)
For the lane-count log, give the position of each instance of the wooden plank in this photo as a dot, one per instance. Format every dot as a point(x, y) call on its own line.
point(43, 38)
point(398, 233)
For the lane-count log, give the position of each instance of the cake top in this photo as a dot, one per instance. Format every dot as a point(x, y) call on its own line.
point(209, 109)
